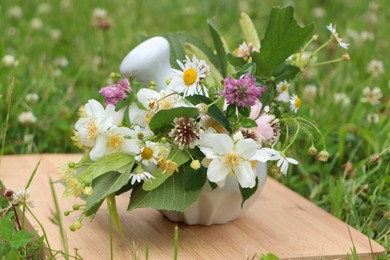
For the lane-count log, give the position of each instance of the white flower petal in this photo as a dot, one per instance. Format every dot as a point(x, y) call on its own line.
point(217, 171)
point(99, 150)
point(261, 156)
point(245, 175)
point(291, 160)
point(246, 148)
point(221, 143)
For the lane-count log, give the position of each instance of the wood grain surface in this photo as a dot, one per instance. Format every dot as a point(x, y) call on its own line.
point(280, 222)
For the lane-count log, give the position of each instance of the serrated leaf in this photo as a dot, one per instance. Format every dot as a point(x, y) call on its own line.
point(219, 46)
point(213, 110)
point(288, 72)
point(191, 50)
point(249, 30)
point(21, 238)
point(108, 163)
point(246, 193)
point(164, 118)
point(283, 38)
point(168, 196)
point(103, 186)
point(176, 155)
point(194, 179)
point(248, 123)
point(177, 41)
point(6, 228)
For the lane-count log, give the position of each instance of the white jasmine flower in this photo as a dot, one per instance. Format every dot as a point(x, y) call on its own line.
point(148, 154)
point(138, 177)
point(373, 118)
point(114, 140)
point(371, 96)
point(283, 161)
point(36, 24)
point(237, 156)
point(27, 118)
point(189, 80)
point(15, 12)
point(32, 97)
point(375, 67)
point(295, 103)
point(310, 92)
point(282, 88)
point(97, 121)
point(10, 61)
point(342, 98)
point(335, 37)
point(21, 197)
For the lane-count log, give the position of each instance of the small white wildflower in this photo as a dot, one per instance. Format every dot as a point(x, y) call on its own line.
point(138, 177)
point(373, 118)
point(319, 12)
point(43, 8)
point(15, 12)
point(371, 95)
point(57, 73)
point(295, 103)
point(371, 18)
point(148, 154)
point(36, 24)
point(282, 88)
point(342, 98)
point(310, 92)
point(32, 97)
point(335, 37)
point(21, 197)
point(283, 161)
point(61, 62)
point(9, 61)
point(244, 50)
point(375, 68)
point(55, 34)
point(99, 13)
point(27, 118)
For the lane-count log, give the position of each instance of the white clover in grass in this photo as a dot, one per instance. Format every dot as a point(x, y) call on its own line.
point(15, 12)
point(295, 103)
point(148, 153)
point(22, 197)
point(114, 140)
point(189, 80)
point(231, 155)
point(36, 24)
point(27, 118)
point(342, 98)
point(97, 120)
point(9, 61)
point(335, 37)
point(375, 68)
point(283, 161)
point(245, 50)
point(282, 88)
point(371, 95)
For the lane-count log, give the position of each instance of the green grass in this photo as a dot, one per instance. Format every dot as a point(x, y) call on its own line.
point(359, 195)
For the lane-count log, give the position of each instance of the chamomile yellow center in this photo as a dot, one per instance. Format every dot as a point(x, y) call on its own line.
point(189, 76)
point(115, 142)
point(283, 87)
point(297, 102)
point(232, 160)
point(146, 153)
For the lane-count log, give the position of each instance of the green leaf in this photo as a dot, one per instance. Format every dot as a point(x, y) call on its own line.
point(168, 196)
point(164, 118)
point(269, 257)
point(12, 254)
point(177, 41)
point(268, 95)
point(4, 248)
point(289, 72)
point(231, 112)
point(235, 61)
point(194, 179)
point(249, 30)
point(213, 110)
point(244, 111)
point(248, 123)
point(103, 186)
point(246, 193)
point(213, 185)
point(108, 163)
point(111, 203)
point(176, 155)
point(283, 38)
point(6, 229)
point(21, 238)
point(221, 53)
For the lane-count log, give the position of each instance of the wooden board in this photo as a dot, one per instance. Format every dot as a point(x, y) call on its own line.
point(281, 222)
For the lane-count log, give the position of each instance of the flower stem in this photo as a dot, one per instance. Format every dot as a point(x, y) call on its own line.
point(328, 62)
point(17, 218)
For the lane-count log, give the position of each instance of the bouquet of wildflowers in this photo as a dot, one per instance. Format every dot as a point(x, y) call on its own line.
point(164, 132)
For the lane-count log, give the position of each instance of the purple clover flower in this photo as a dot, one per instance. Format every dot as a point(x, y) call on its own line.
point(116, 92)
point(243, 91)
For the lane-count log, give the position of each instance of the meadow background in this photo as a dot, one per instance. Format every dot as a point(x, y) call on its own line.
point(61, 60)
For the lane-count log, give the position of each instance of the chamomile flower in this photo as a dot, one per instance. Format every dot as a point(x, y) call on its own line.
point(283, 161)
point(335, 37)
point(149, 153)
point(140, 175)
point(282, 88)
point(295, 103)
point(189, 80)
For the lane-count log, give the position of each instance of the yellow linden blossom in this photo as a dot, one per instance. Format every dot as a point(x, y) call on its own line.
point(232, 160)
point(189, 76)
point(92, 130)
point(76, 139)
point(74, 187)
point(82, 112)
point(115, 142)
point(168, 166)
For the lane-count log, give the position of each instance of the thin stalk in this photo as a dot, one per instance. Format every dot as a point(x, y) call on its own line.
point(328, 62)
point(9, 99)
point(43, 230)
point(17, 218)
point(111, 231)
point(27, 186)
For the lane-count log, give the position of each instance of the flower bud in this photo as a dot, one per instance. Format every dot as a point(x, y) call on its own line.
point(71, 164)
point(75, 226)
point(323, 156)
point(195, 164)
point(312, 150)
point(345, 57)
point(163, 140)
point(66, 213)
point(8, 194)
point(76, 206)
point(168, 81)
point(152, 84)
point(315, 37)
point(88, 191)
